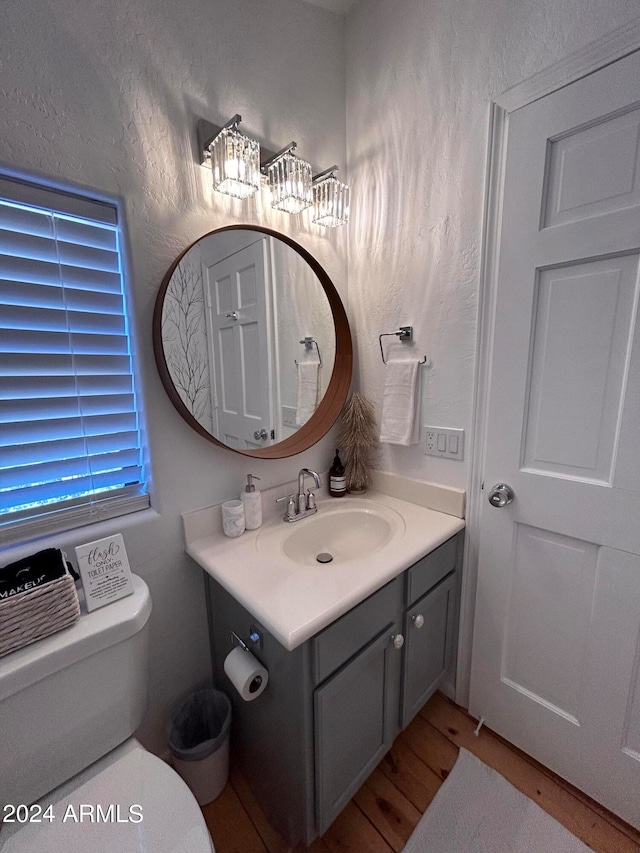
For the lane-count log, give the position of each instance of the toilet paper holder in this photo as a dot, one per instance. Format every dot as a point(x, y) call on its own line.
point(255, 637)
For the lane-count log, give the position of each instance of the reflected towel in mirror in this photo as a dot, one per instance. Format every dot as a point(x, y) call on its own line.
point(400, 403)
point(307, 390)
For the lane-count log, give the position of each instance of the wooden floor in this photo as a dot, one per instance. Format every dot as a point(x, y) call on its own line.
point(384, 812)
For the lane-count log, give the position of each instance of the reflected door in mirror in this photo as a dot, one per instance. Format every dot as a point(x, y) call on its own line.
point(236, 297)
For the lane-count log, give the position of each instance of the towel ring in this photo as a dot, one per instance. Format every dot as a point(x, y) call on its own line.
point(308, 344)
point(404, 334)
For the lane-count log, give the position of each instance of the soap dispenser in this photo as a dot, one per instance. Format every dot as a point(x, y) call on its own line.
point(252, 500)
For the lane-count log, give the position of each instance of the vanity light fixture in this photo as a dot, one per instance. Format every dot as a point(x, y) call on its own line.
point(330, 199)
point(235, 161)
point(290, 180)
point(238, 170)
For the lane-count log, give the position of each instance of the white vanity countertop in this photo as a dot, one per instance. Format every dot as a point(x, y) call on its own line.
point(295, 601)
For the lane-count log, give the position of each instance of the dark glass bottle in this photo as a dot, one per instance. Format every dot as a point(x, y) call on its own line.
point(337, 479)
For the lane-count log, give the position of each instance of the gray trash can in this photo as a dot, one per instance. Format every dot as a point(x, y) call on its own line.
point(199, 742)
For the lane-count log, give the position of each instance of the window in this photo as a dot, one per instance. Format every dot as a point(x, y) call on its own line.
point(70, 450)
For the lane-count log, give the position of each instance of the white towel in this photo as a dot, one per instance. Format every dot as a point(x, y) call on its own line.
point(307, 390)
point(400, 403)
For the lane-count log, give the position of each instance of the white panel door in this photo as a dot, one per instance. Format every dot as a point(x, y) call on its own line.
point(236, 290)
point(556, 651)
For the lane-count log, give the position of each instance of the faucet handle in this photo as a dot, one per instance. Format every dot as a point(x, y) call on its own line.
point(291, 505)
point(311, 500)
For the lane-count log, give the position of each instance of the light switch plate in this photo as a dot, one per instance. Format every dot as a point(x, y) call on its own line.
point(443, 442)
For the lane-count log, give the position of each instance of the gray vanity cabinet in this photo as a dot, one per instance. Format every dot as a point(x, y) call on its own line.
point(429, 642)
point(430, 625)
point(334, 705)
point(355, 722)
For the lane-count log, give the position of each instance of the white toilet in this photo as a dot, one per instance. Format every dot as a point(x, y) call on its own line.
point(68, 707)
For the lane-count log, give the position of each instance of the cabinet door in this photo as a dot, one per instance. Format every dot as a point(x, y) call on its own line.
point(429, 633)
point(355, 720)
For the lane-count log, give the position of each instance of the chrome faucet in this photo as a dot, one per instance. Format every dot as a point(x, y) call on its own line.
point(307, 500)
point(304, 503)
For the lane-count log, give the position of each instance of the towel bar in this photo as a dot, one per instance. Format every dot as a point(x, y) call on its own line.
point(404, 334)
point(308, 343)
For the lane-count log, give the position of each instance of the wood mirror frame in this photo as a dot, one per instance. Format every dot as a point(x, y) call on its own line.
point(333, 400)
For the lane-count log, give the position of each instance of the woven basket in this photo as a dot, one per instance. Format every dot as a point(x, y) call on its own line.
point(38, 612)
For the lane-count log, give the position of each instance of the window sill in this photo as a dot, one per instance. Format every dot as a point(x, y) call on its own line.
point(66, 540)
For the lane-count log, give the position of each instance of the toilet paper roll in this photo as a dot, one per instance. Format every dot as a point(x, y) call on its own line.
point(246, 673)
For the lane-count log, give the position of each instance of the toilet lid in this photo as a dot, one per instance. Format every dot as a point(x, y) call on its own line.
point(130, 802)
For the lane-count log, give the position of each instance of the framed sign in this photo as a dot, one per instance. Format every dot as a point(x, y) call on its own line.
point(105, 572)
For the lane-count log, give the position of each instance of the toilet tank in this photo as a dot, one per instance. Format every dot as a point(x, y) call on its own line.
point(68, 699)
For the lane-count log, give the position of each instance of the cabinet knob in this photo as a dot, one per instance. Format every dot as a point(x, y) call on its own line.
point(398, 641)
point(418, 620)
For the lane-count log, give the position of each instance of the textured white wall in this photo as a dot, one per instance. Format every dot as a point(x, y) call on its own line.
point(106, 94)
point(420, 76)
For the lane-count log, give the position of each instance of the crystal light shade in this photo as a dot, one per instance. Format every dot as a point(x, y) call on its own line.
point(290, 183)
point(235, 163)
point(330, 202)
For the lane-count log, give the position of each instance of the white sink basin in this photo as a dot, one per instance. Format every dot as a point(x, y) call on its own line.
point(343, 531)
point(273, 571)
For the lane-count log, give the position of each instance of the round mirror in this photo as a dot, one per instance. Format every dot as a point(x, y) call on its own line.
point(252, 342)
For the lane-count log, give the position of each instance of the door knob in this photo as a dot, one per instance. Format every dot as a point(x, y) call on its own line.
point(398, 641)
point(232, 315)
point(501, 495)
point(418, 620)
point(260, 433)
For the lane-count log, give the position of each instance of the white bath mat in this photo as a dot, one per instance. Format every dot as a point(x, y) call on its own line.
point(477, 811)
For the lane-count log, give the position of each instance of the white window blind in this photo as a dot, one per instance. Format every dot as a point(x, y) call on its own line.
point(70, 449)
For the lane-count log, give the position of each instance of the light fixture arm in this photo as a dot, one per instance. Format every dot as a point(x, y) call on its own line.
point(207, 133)
point(325, 173)
point(234, 122)
point(272, 158)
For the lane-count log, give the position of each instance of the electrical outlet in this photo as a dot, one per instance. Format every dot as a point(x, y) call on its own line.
point(289, 416)
point(430, 441)
point(444, 442)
